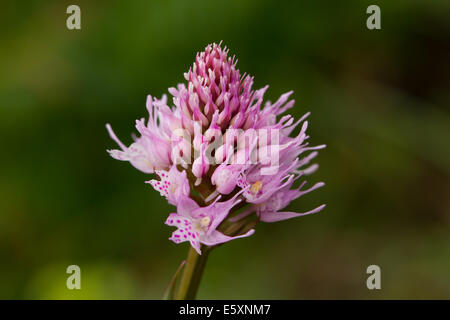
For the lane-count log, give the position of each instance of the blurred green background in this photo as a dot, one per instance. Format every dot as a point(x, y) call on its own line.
point(379, 100)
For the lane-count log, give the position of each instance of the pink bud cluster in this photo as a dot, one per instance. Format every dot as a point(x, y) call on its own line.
point(219, 141)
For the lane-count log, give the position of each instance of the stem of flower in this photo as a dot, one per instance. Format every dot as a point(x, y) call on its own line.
point(192, 274)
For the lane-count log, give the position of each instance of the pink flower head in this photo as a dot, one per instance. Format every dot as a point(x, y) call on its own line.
point(229, 143)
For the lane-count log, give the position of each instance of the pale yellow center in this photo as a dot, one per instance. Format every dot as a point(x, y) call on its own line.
point(205, 222)
point(256, 187)
point(202, 224)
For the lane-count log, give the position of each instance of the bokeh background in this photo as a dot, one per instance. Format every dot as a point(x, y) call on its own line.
point(379, 100)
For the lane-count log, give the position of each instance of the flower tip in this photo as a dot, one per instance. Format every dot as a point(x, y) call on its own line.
point(320, 184)
point(250, 232)
point(110, 131)
point(114, 137)
point(288, 94)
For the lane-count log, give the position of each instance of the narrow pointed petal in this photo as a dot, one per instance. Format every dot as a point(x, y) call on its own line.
point(217, 237)
point(279, 216)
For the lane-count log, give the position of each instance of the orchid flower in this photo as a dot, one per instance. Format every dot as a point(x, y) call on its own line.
point(199, 224)
point(222, 156)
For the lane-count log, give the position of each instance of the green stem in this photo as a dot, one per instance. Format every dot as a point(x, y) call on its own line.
point(192, 274)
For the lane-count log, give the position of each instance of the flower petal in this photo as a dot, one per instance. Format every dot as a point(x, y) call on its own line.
point(217, 237)
point(279, 216)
